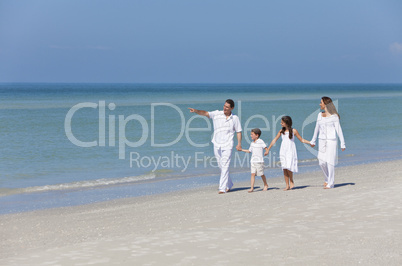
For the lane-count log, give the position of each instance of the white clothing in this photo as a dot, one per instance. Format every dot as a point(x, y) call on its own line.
point(327, 151)
point(223, 156)
point(257, 149)
point(288, 153)
point(327, 161)
point(257, 169)
point(224, 128)
point(328, 127)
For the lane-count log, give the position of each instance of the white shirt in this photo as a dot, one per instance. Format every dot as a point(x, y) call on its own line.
point(224, 128)
point(328, 127)
point(256, 148)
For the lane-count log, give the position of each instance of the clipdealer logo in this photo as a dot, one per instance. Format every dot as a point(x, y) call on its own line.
point(107, 122)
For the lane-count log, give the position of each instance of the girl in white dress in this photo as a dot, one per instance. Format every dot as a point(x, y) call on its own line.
point(326, 129)
point(288, 153)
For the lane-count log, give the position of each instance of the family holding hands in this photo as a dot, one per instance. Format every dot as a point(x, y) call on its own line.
point(227, 124)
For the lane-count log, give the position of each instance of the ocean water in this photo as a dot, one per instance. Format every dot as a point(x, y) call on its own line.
point(69, 144)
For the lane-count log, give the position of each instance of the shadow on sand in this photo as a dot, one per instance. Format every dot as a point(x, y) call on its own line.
point(239, 189)
point(300, 187)
point(256, 189)
point(343, 184)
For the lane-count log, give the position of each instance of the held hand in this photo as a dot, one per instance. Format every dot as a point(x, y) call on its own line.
point(312, 145)
point(238, 147)
point(266, 153)
point(343, 149)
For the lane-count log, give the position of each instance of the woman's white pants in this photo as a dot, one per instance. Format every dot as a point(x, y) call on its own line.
point(327, 159)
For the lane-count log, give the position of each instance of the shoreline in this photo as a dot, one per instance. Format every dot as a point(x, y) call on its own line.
point(358, 222)
point(42, 198)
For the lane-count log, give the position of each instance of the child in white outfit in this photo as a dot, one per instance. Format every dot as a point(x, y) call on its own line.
point(288, 153)
point(257, 158)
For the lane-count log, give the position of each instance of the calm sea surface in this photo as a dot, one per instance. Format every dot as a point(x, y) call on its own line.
point(68, 144)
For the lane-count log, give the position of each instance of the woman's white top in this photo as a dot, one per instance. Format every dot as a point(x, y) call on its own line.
point(327, 128)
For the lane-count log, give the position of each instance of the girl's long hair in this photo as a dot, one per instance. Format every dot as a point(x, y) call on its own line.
point(330, 106)
point(288, 121)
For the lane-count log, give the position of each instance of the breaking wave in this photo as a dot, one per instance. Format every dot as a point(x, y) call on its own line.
point(78, 185)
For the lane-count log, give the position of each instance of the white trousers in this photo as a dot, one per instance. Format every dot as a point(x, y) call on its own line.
point(223, 156)
point(327, 158)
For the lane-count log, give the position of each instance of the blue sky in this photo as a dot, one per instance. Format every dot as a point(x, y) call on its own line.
point(269, 41)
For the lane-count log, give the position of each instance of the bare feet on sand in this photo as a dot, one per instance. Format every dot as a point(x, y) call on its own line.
point(251, 190)
point(265, 188)
point(286, 188)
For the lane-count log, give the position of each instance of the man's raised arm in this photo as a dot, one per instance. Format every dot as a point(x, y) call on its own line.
point(199, 112)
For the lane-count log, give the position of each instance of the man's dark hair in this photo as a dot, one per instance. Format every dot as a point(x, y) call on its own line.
point(231, 102)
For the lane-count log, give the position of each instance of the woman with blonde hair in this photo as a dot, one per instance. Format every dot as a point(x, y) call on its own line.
point(327, 128)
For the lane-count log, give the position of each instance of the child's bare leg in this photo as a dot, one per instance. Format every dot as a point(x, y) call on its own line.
point(286, 175)
point(264, 179)
point(292, 184)
point(252, 182)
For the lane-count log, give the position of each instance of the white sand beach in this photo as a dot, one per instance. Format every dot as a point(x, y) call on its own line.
point(359, 222)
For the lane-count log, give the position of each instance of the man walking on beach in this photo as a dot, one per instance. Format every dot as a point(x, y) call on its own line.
point(225, 125)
